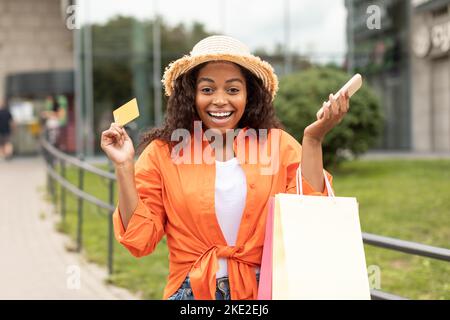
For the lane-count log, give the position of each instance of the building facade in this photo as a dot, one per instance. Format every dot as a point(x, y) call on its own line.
point(430, 65)
point(381, 54)
point(36, 60)
point(406, 60)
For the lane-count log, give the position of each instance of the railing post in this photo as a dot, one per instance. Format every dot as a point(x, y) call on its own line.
point(63, 191)
point(110, 224)
point(46, 155)
point(52, 184)
point(80, 206)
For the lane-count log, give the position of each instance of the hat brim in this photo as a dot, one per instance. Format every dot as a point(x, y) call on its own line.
point(254, 64)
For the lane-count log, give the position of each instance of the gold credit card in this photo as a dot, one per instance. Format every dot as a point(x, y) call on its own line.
point(126, 113)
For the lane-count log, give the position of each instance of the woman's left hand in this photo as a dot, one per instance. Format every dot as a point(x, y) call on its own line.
point(328, 117)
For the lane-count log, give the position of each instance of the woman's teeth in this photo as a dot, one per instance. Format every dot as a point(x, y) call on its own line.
point(220, 114)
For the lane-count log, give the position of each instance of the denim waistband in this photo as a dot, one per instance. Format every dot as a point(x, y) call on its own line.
point(219, 282)
point(222, 289)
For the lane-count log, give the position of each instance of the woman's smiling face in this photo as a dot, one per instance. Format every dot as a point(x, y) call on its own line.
point(220, 95)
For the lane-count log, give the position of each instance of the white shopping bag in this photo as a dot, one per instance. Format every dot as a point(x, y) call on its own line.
point(318, 251)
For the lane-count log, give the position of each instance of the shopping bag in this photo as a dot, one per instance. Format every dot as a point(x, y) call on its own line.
point(318, 251)
point(265, 273)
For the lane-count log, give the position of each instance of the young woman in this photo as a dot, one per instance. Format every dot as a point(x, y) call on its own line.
point(208, 194)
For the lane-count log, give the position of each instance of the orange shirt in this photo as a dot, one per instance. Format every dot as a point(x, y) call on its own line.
point(177, 200)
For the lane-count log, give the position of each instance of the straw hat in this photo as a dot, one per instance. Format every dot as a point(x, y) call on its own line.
point(221, 48)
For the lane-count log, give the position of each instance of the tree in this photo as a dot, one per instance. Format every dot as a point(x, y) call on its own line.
point(122, 63)
point(302, 94)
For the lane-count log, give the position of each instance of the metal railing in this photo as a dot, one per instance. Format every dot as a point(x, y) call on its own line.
point(408, 247)
point(54, 156)
point(51, 154)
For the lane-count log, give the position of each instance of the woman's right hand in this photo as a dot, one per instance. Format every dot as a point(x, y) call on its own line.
point(117, 145)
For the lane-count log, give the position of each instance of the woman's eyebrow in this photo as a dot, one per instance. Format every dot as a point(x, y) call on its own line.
point(205, 79)
point(234, 79)
point(212, 81)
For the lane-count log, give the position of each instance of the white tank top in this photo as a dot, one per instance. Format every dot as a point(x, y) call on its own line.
point(230, 196)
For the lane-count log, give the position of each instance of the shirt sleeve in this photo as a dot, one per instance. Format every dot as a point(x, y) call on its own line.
point(293, 154)
point(146, 226)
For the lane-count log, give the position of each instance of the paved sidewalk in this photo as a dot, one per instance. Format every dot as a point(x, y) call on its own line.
point(33, 262)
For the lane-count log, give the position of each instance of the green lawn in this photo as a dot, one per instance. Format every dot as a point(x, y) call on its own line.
point(408, 200)
point(403, 199)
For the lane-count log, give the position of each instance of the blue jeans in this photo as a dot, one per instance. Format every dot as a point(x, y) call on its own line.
point(222, 291)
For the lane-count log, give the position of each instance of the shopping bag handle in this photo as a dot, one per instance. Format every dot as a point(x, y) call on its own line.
point(300, 186)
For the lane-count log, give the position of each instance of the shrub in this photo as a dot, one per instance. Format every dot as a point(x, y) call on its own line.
point(302, 94)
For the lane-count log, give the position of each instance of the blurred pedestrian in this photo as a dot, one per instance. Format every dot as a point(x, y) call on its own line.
point(6, 128)
point(51, 116)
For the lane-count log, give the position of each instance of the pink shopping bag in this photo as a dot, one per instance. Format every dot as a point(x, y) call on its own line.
point(265, 275)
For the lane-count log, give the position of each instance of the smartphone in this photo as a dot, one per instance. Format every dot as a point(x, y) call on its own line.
point(352, 85)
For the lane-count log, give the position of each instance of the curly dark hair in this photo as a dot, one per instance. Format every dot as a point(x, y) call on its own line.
point(181, 112)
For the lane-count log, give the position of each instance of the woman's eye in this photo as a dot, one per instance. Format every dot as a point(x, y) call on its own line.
point(233, 90)
point(206, 90)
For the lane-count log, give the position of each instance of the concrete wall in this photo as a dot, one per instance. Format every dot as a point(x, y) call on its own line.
point(430, 94)
point(33, 37)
